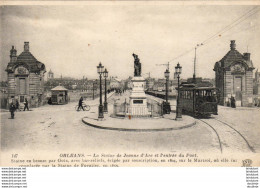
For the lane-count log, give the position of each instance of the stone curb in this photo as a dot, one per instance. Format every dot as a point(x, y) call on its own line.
point(138, 130)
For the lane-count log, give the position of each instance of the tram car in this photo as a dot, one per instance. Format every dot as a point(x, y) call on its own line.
point(198, 100)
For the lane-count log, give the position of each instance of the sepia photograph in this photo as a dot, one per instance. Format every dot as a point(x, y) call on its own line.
point(130, 84)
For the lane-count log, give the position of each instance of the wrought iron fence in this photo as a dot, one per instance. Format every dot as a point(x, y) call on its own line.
point(124, 109)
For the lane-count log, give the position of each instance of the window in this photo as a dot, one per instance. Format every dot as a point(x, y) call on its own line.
point(181, 94)
point(21, 98)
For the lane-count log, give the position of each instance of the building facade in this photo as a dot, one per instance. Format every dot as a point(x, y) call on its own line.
point(257, 83)
point(115, 83)
point(234, 77)
point(25, 76)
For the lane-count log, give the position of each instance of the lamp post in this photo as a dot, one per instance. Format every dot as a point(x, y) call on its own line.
point(105, 103)
point(178, 69)
point(100, 108)
point(167, 104)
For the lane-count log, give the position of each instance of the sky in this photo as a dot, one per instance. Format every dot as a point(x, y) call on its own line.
point(72, 40)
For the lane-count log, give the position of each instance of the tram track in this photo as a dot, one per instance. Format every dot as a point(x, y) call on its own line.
point(220, 144)
point(249, 146)
point(229, 138)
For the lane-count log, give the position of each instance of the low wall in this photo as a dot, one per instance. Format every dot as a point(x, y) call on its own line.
point(160, 94)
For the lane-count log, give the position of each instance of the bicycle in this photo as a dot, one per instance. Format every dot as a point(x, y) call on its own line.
point(85, 107)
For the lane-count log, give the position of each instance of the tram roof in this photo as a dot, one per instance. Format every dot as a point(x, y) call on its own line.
point(195, 87)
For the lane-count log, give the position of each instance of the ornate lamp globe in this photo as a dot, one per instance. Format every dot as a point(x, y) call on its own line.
point(100, 68)
point(105, 73)
point(167, 74)
point(178, 69)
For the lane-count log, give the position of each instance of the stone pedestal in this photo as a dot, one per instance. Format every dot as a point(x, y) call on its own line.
point(138, 101)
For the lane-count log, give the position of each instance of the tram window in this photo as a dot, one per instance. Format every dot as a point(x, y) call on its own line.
point(181, 94)
point(208, 93)
point(208, 96)
point(188, 94)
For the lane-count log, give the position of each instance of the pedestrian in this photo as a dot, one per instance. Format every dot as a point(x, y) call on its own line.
point(233, 102)
point(12, 109)
point(80, 103)
point(26, 105)
point(50, 101)
point(17, 105)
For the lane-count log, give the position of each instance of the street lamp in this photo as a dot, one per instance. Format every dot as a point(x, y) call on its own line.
point(105, 103)
point(178, 69)
point(167, 104)
point(100, 70)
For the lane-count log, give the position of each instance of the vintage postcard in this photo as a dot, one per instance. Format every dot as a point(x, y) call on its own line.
point(122, 83)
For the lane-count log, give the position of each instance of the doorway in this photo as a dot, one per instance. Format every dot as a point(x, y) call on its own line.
point(238, 90)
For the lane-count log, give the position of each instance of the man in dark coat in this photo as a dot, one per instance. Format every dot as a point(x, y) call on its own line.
point(26, 105)
point(233, 102)
point(12, 109)
point(49, 101)
point(80, 103)
point(17, 105)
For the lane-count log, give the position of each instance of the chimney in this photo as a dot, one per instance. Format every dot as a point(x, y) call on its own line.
point(13, 56)
point(247, 56)
point(26, 46)
point(232, 44)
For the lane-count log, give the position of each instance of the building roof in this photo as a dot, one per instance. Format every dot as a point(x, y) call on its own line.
point(234, 56)
point(27, 60)
point(115, 79)
point(59, 88)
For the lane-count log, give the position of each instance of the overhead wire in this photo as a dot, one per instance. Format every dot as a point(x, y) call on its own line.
point(232, 25)
point(219, 33)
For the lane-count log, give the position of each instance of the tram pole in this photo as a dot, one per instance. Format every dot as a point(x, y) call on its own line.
point(167, 107)
point(178, 107)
